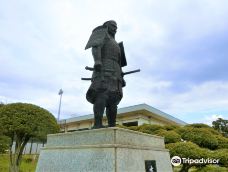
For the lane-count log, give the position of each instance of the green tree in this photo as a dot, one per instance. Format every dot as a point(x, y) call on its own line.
point(4, 140)
point(1, 104)
point(221, 125)
point(4, 143)
point(21, 122)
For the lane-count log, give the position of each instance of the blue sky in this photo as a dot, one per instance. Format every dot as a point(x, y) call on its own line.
point(180, 47)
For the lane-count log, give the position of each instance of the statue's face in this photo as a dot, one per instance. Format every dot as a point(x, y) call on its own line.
point(112, 28)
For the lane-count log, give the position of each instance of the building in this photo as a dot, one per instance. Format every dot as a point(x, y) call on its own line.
point(129, 116)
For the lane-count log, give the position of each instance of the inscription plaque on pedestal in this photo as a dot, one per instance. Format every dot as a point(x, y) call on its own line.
point(150, 166)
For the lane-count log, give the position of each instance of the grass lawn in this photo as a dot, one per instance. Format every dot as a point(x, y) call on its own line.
point(28, 163)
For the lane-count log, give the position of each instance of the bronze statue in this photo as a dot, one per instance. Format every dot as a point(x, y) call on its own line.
point(105, 91)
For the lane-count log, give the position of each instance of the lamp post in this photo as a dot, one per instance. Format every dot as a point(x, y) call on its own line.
point(60, 93)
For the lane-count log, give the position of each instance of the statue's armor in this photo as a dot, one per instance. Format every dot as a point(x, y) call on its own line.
point(97, 37)
point(109, 79)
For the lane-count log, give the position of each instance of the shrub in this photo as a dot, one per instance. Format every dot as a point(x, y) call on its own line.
point(222, 142)
point(202, 137)
point(170, 136)
point(212, 168)
point(182, 130)
point(135, 128)
point(198, 125)
point(171, 127)
point(150, 129)
point(222, 155)
point(187, 150)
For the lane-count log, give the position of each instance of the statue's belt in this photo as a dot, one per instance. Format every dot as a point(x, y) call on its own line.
point(110, 59)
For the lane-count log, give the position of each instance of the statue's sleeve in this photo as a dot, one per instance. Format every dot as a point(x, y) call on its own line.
point(97, 37)
point(96, 51)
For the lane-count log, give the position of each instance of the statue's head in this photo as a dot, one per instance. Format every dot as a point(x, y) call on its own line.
point(112, 27)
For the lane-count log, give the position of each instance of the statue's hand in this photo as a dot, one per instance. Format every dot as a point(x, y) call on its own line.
point(97, 66)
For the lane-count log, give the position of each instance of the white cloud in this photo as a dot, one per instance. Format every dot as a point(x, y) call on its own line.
point(209, 119)
point(200, 98)
point(42, 50)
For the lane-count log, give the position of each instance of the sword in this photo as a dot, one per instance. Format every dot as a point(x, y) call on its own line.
point(124, 73)
point(130, 72)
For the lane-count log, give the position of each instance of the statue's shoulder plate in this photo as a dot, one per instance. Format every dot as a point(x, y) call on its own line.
point(97, 37)
point(123, 59)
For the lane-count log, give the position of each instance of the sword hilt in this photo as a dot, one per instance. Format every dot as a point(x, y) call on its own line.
point(86, 79)
point(92, 69)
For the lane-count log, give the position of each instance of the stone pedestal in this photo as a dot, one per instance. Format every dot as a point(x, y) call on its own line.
point(104, 150)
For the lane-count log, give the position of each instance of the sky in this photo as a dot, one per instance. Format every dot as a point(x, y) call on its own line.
point(180, 46)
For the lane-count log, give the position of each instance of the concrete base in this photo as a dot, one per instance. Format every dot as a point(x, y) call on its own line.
point(103, 150)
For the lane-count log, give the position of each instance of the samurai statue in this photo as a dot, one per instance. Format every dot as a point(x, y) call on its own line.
point(105, 91)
